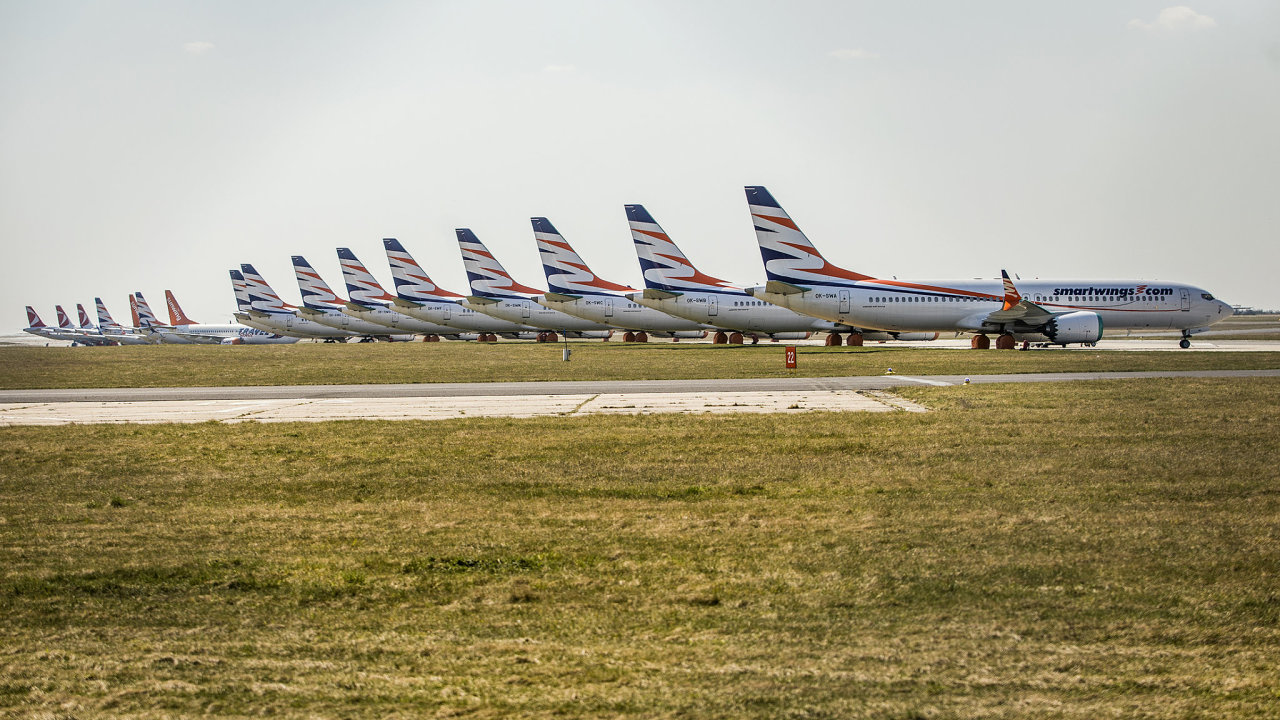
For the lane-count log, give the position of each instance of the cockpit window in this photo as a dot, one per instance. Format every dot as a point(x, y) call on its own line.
point(1206, 296)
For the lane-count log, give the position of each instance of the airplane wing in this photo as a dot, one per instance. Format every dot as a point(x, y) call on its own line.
point(1017, 309)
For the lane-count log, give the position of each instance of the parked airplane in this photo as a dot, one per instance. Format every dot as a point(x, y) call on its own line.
point(90, 334)
point(69, 331)
point(37, 327)
point(189, 330)
point(576, 290)
point(418, 296)
point(496, 293)
point(370, 302)
point(243, 305)
point(1054, 311)
point(673, 285)
point(273, 314)
point(113, 329)
point(319, 303)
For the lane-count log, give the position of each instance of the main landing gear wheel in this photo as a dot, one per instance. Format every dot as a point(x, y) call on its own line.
point(735, 338)
point(719, 338)
point(1184, 343)
point(1005, 342)
point(980, 342)
point(642, 336)
point(833, 340)
point(854, 340)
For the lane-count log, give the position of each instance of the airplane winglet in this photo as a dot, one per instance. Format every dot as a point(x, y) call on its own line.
point(1011, 295)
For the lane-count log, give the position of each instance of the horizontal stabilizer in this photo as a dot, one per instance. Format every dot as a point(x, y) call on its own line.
point(481, 300)
point(561, 297)
point(777, 287)
point(656, 294)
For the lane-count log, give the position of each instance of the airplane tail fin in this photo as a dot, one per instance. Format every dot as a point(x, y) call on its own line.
point(788, 255)
point(261, 296)
point(105, 321)
point(85, 322)
point(64, 322)
point(33, 318)
point(485, 274)
point(412, 282)
point(663, 265)
point(566, 271)
point(176, 316)
point(316, 293)
point(1011, 295)
point(241, 291)
point(362, 287)
point(146, 318)
point(133, 311)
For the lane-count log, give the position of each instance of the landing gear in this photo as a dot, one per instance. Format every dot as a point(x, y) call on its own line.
point(980, 342)
point(735, 338)
point(719, 338)
point(1005, 342)
point(854, 340)
point(642, 336)
point(833, 340)
point(1184, 343)
point(628, 336)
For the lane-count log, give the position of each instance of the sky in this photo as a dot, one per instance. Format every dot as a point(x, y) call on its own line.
point(147, 146)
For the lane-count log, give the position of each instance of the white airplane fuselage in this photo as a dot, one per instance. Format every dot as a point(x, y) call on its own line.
point(525, 311)
point(619, 311)
point(337, 320)
point(963, 305)
point(288, 323)
point(459, 316)
point(734, 311)
point(392, 319)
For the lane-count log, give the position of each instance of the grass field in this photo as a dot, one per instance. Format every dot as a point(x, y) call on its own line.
point(319, 364)
point(1058, 550)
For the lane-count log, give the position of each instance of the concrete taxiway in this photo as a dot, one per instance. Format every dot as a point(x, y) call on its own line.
point(519, 399)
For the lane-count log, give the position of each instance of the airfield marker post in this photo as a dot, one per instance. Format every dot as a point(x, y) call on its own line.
point(791, 357)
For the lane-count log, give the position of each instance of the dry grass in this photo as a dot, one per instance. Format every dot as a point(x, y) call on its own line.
point(1073, 550)
point(319, 364)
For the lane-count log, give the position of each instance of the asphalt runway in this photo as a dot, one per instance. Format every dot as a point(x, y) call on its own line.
point(512, 399)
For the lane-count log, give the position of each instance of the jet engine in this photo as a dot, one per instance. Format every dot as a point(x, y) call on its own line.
point(1074, 327)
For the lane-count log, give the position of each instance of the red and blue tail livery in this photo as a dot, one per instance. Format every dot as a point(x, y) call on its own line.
point(362, 287)
point(487, 277)
point(567, 273)
point(664, 266)
point(412, 282)
point(316, 293)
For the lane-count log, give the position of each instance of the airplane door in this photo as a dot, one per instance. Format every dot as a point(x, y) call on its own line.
point(844, 301)
point(524, 308)
point(1186, 299)
point(448, 309)
point(608, 307)
point(713, 306)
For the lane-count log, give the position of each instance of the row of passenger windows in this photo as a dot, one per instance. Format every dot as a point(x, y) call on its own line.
point(914, 298)
point(748, 303)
